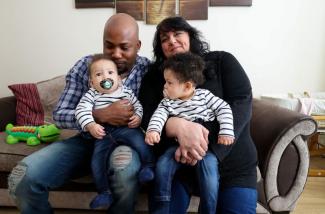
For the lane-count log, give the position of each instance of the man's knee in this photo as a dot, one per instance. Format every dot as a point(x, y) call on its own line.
point(15, 177)
point(121, 157)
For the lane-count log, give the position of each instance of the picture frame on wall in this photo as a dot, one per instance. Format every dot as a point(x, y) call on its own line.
point(194, 9)
point(135, 8)
point(153, 11)
point(157, 10)
point(94, 3)
point(230, 2)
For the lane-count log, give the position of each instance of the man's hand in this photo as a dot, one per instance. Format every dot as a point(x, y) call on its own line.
point(192, 138)
point(96, 130)
point(135, 121)
point(152, 137)
point(116, 114)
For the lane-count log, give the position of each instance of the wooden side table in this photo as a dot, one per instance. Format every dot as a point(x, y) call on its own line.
point(315, 148)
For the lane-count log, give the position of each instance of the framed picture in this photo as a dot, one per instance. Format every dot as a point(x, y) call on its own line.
point(230, 2)
point(153, 11)
point(94, 3)
point(194, 9)
point(157, 10)
point(134, 8)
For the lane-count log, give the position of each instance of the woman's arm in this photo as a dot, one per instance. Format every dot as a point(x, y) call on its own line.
point(237, 91)
point(192, 138)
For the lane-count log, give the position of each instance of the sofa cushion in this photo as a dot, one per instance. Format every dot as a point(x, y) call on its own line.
point(36, 101)
point(10, 155)
point(49, 92)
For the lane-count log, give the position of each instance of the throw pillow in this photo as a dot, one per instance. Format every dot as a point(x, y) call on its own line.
point(36, 101)
point(29, 110)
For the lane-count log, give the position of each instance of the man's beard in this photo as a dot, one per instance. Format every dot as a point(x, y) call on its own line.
point(122, 69)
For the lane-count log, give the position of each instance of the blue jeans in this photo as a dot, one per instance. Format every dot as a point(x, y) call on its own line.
point(233, 200)
point(208, 179)
point(32, 179)
point(104, 147)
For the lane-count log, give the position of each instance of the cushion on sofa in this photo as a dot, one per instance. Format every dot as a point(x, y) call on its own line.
point(10, 155)
point(29, 109)
point(36, 101)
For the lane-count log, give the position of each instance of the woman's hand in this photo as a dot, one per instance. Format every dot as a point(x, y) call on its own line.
point(116, 114)
point(192, 138)
point(189, 160)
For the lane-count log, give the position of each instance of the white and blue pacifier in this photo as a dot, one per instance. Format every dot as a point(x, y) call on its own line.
point(107, 83)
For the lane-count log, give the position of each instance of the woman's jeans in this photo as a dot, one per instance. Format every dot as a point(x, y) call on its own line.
point(49, 168)
point(208, 179)
point(104, 147)
point(234, 200)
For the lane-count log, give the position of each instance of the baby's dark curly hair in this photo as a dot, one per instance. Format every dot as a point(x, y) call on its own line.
point(187, 67)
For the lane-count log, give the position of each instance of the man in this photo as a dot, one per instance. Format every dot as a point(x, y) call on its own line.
point(51, 167)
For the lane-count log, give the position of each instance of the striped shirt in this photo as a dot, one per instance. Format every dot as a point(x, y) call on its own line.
point(202, 106)
point(77, 84)
point(93, 99)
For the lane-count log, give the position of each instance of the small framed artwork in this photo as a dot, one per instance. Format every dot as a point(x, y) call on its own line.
point(230, 2)
point(134, 8)
point(157, 10)
point(94, 3)
point(194, 9)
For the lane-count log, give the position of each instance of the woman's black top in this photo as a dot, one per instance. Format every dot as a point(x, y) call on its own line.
point(226, 79)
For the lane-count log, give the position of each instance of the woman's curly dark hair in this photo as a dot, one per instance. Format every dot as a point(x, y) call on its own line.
point(176, 23)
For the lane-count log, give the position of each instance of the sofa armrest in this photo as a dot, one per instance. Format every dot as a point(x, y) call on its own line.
point(280, 137)
point(8, 111)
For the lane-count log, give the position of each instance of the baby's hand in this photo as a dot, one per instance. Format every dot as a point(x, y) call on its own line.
point(225, 140)
point(96, 130)
point(152, 137)
point(135, 121)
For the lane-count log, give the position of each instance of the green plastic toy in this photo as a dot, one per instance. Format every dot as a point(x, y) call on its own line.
point(33, 135)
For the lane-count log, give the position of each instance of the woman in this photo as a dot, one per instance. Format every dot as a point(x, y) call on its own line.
point(225, 78)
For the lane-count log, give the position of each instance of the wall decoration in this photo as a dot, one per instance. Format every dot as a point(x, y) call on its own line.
point(94, 3)
point(194, 9)
point(157, 10)
point(230, 2)
point(153, 11)
point(134, 8)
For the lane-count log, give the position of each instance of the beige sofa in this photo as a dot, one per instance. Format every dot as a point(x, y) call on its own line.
point(280, 137)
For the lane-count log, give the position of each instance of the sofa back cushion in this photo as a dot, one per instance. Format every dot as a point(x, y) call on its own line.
point(49, 92)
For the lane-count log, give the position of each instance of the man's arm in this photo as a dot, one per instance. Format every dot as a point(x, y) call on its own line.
point(116, 114)
point(76, 86)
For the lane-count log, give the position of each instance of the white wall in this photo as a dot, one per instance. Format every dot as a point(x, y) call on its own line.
point(281, 44)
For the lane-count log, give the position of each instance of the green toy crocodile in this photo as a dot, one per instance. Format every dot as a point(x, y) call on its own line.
point(33, 135)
